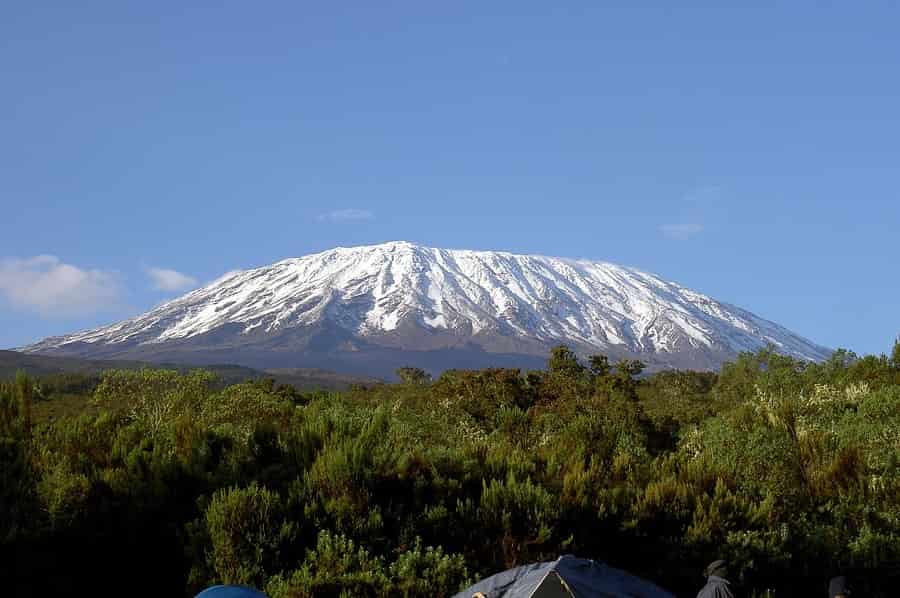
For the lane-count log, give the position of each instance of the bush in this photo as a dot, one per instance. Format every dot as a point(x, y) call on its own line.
point(247, 531)
point(789, 470)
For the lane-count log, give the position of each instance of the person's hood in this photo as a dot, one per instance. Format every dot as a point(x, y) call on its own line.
point(837, 586)
point(717, 569)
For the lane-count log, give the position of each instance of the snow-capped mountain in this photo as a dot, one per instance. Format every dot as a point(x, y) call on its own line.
point(373, 308)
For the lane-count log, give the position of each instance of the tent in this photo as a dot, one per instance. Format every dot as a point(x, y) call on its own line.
point(566, 577)
point(230, 592)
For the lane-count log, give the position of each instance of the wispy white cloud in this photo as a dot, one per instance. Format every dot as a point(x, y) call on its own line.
point(170, 280)
point(348, 215)
point(697, 210)
point(46, 285)
point(681, 232)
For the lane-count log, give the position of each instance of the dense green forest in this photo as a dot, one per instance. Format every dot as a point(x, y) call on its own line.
point(157, 482)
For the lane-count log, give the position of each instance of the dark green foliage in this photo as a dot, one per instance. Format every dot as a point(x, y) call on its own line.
point(674, 398)
point(566, 376)
point(624, 380)
point(248, 532)
point(481, 393)
point(171, 481)
point(338, 567)
point(515, 519)
point(599, 365)
point(17, 477)
point(410, 375)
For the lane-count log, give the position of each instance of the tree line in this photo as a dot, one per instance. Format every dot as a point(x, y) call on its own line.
point(165, 482)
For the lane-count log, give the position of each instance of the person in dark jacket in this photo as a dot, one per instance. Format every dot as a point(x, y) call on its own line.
point(717, 584)
point(839, 587)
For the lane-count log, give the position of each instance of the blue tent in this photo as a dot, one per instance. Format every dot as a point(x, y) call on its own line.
point(566, 577)
point(230, 592)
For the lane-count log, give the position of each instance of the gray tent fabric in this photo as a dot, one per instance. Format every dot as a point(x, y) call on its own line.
point(580, 578)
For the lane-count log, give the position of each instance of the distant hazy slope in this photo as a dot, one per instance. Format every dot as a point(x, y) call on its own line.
point(44, 365)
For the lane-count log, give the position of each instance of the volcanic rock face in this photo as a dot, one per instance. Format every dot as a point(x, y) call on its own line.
point(370, 309)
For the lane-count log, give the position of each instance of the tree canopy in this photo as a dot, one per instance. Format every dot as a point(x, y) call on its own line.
point(789, 470)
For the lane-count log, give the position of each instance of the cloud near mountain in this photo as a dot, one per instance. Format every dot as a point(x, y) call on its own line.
point(46, 285)
point(164, 279)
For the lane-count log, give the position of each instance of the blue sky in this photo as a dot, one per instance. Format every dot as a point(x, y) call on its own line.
point(749, 152)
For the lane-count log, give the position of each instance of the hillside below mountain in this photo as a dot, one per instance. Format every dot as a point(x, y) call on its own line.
point(40, 366)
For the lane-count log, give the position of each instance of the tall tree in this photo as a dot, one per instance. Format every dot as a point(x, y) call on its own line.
point(411, 375)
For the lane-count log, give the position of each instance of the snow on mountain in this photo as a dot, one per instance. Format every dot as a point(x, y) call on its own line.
point(410, 297)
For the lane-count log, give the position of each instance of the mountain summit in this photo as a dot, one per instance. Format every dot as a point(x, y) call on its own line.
point(373, 308)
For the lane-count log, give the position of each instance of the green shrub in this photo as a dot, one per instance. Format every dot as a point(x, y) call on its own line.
point(789, 470)
point(247, 531)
